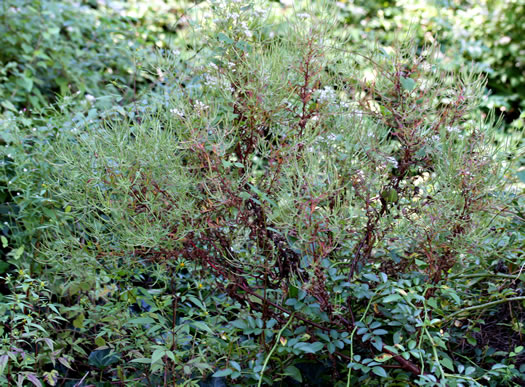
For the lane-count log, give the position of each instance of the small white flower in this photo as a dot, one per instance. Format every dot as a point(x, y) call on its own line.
point(303, 15)
point(392, 161)
point(504, 40)
point(234, 16)
point(9, 155)
point(213, 66)
point(258, 12)
point(327, 94)
point(34, 129)
point(177, 112)
point(426, 66)
point(210, 80)
point(435, 138)
point(90, 98)
point(453, 129)
point(200, 106)
point(360, 176)
point(25, 169)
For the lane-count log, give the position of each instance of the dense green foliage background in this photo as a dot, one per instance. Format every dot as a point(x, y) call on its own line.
point(88, 302)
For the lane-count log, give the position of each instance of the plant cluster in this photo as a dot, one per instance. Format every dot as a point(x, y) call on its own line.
point(485, 35)
point(279, 210)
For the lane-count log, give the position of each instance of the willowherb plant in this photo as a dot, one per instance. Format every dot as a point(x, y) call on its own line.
point(326, 189)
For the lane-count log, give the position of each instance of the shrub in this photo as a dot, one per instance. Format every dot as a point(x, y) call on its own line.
point(52, 48)
point(483, 34)
point(282, 216)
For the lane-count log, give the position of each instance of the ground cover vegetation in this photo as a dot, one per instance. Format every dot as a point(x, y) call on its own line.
point(261, 193)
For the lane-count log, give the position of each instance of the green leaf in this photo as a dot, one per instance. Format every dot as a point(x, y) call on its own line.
point(294, 373)
point(102, 358)
point(8, 105)
point(99, 341)
point(390, 195)
point(391, 298)
point(5, 242)
point(421, 264)
point(397, 337)
point(141, 360)
point(448, 363)
point(224, 38)
point(242, 45)
point(240, 324)
point(383, 357)
point(3, 363)
point(521, 175)
point(408, 83)
point(79, 321)
point(309, 347)
point(197, 302)
point(33, 379)
point(235, 365)
point(472, 341)
point(371, 277)
point(245, 195)
point(379, 371)
point(27, 83)
point(141, 321)
point(432, 302)
point(377, 342)
point(65, 362)
point(224, 372)
point(157, 355)
point(51, 377)
point(17, 253)
point(469, 370)
point(202, 326)
point(293, 291)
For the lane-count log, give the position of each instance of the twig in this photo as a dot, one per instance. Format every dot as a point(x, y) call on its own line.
point(476, 307)
point(277, 340)
point(482, 275)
